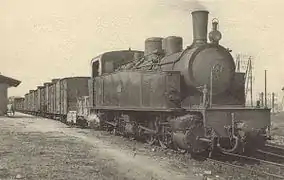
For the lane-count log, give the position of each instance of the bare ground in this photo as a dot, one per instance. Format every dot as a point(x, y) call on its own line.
point(277, 128)
point(38, 148)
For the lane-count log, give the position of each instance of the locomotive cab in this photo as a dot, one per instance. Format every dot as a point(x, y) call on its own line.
point(95, 68)
point(109, 62)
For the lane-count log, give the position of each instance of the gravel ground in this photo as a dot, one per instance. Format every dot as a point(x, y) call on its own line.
point(38, 148)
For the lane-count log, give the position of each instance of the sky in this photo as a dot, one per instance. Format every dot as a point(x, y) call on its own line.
point(41, 40)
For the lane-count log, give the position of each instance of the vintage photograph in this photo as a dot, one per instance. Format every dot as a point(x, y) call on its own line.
point(141, 90)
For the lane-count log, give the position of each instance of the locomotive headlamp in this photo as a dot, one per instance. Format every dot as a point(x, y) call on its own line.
point(215, 36)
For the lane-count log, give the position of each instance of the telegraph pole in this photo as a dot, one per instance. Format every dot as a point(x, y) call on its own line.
point(238, 62)
point(250, 79)
point(272, 102)
point(265, 89)
point(244, 64)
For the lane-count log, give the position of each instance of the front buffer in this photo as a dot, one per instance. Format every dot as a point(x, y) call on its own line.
point(235, 130)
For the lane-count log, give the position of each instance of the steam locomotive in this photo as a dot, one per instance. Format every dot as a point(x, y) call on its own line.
point(190, 99)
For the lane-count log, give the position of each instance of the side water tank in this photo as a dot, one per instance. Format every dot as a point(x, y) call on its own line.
point(173, 44)
point(153, 44)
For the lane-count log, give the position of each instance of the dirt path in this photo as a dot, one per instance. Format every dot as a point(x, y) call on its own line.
point(38, 148)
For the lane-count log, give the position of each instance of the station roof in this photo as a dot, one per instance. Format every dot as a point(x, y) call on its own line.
point(10, 81)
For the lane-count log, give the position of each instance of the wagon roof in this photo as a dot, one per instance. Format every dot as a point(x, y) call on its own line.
point(9, 81)
point(75, 77)
point(16, 97)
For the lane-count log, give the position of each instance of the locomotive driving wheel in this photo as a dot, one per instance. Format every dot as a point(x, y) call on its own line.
point(187, 132)
point(192, 135)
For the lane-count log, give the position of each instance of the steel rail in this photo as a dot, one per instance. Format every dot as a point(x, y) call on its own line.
point(270, 153)
point(253, 158)
point(246, 169)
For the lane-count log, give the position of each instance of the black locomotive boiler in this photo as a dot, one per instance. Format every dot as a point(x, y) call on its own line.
point(188, 98)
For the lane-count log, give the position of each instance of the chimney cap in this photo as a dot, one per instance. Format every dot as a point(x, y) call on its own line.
point(204, 11)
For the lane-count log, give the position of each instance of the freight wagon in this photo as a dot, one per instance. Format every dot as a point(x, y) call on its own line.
point(18, 103)
point(46, 99)
point(56, 98)
point(26, 106)
point(51, 100)
point(70, 90)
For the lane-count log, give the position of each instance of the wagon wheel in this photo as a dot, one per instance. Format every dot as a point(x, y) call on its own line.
point(165, 139)
point(114, 131)
point(115, 128)
point(150, 137)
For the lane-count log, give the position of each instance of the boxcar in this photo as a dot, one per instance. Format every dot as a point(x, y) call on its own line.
point(50, 96)
point(46, 99)
point(39, 100)
point(57, 102)
point(70, 89)
point(26, 103)
point(18, 103)
point(31, 98)
point(33, 101)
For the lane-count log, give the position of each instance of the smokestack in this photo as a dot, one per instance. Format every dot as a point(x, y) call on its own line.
point(199, 25)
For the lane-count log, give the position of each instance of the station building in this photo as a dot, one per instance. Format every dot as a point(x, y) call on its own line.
point(5, 83)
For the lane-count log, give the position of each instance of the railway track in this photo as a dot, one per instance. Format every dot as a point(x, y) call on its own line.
point(257, 166)
point(273, 150)
point(254, 159)
point(252, 170)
